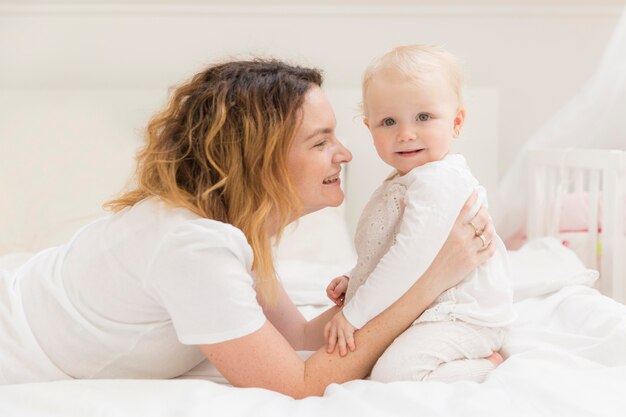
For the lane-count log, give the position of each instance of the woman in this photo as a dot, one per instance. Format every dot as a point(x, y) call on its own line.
point(182, 270)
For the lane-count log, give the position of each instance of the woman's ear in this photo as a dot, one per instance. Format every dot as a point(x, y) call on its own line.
point(366, 123)
point(458, 121)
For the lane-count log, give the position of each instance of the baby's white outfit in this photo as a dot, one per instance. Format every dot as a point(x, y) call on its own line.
point(401, 229)
point(128, 297)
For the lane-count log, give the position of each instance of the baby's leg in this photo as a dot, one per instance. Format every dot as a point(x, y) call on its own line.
point(419, 352)
point(478, 345)
point(462, 370)
point(416, 353)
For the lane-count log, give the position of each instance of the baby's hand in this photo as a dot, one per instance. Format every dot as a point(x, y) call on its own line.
point(336, 290)
point(338, 331)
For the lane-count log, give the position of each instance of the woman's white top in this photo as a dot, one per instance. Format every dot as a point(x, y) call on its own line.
point(131, 292)
point(401, 230)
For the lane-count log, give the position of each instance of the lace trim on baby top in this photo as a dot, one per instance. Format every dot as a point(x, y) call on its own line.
point(376, 231)
point(442, 309)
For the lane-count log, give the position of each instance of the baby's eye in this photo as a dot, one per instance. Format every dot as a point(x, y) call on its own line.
point(423, 117)
point(388, 122)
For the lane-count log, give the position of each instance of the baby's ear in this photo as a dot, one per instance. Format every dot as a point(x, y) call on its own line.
point(459, 119)
point(366, 123)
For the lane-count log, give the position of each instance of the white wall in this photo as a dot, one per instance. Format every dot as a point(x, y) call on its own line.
point(527, 61)
point(535, 57)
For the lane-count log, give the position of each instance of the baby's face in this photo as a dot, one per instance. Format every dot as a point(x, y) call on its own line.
point(411, 123)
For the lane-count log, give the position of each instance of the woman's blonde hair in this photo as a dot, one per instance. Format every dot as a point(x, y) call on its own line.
point(414, 61)
point(220, 147)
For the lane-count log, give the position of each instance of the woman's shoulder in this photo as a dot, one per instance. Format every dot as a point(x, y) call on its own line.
point(184, 228)
point(174, 217)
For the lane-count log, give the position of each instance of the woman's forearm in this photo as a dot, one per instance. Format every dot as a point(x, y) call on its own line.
point(314, 329)
point(265, 359)
point(300, 333)
point(322, 368)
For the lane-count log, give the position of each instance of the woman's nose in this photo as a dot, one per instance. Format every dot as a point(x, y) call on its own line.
point(342, 155)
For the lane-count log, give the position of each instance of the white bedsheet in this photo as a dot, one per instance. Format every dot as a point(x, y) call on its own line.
point(566, 357)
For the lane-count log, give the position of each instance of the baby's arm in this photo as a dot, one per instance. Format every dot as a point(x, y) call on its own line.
point(338, 331)
point(433, 202)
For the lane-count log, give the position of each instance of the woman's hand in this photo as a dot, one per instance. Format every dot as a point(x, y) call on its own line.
point(468, 245)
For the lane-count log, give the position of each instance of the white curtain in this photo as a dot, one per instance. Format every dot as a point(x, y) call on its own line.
point(594, 118)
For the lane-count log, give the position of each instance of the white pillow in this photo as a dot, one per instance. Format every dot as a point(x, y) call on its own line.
point(306, 281)
point(320, 237)
point(312, 251)
point(10, 262)
point(543, 266)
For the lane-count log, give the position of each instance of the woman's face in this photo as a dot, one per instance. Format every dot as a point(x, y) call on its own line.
point(316, 154)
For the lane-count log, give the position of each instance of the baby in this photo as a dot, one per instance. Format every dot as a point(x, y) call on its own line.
point(413, 108)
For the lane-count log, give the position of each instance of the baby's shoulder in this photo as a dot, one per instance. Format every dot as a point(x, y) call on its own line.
point(450, 164)
point(450, 170)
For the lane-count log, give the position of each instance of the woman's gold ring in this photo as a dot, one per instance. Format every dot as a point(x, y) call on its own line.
point(477, 232)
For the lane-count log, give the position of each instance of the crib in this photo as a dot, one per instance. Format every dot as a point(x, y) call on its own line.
point(578, 196)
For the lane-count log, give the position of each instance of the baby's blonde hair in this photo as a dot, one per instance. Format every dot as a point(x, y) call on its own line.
point(414, 61)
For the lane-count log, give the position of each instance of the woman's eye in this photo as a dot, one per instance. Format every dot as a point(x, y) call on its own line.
point(423, 117)
point(389, 122)
point(320, 144)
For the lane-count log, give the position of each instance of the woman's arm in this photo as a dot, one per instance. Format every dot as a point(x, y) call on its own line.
point(300, 333)
point(266, 359)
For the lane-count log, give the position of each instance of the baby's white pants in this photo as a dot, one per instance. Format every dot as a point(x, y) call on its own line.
point(440, 351)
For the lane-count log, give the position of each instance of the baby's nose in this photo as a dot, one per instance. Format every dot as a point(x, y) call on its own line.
point(406, 135)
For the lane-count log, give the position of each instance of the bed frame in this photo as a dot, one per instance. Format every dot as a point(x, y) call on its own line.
point(599, 175)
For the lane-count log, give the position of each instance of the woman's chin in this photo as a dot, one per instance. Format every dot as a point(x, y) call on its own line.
point(331, 203)
point(337, 202)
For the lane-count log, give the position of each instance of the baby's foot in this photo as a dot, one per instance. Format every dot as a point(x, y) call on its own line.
point(496, 359)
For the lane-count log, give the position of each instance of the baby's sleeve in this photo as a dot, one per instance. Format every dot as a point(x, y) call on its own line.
point(433, 202)
point(202, 276)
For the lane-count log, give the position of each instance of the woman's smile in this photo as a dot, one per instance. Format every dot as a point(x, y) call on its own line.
point(332, 180)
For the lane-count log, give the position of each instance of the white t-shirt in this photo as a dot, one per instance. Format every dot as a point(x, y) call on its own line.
point(432, 196)
point(131, 292)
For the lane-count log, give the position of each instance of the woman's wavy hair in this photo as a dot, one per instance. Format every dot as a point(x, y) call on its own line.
point(220, 148)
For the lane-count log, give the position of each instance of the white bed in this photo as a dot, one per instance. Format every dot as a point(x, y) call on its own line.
point(566, 355)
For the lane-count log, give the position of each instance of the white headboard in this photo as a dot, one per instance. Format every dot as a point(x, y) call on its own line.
point(63, 154)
